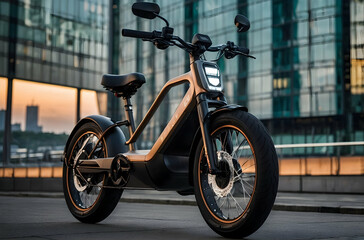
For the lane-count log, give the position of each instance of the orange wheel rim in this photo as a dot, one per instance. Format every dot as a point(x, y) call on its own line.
point(255, 181)
point(67, 176)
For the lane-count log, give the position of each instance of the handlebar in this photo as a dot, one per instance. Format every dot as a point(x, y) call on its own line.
point(158, 36)
point(230, 47)
point(140, 34)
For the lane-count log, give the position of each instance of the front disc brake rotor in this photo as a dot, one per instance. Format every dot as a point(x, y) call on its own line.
point(222, 183)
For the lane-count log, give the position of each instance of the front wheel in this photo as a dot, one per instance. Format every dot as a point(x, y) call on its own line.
point(237, 201)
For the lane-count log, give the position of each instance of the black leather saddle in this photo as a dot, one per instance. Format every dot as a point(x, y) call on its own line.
point(123, 85)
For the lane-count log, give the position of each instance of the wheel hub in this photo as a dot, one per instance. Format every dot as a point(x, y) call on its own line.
point(222, 183)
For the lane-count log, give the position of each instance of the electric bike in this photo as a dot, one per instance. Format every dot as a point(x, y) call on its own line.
point(217, 151)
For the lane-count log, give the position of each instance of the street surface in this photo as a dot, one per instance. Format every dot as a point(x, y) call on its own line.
point(49, 218)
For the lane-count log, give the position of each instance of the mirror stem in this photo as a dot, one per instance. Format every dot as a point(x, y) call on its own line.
point(162, 19)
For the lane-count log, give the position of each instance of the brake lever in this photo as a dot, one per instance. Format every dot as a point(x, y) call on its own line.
point(247, 55)
point(230, 54)
point(147, 40)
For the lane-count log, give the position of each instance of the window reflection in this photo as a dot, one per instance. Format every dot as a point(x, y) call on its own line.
point(92, 103)
point(3, 94)
point(42, 117)
point(56, 105)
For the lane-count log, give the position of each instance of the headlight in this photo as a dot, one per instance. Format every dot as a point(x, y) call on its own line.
point(213, 77)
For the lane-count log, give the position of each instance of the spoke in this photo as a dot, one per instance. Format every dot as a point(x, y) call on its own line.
point(223, 143)
point(81, 149)
point(228, 212)
point(245, 191)
point(235, 150)
point(219, 138)
point(82, 197)
point(223, 203)
point(80, 175)
point(236, 142)
point(236, 202)
point(248, 167)
point(240, 178)
point(246, 182)
point(251, 157)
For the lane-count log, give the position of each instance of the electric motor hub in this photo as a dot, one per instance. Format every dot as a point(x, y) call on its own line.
point(119, 172)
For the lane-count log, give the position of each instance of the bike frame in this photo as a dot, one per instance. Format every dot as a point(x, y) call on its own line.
point(155, 159)
point(185, 107)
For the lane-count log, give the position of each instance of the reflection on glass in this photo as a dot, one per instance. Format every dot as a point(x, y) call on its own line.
point(92, 103)
point(42, 116)
point(3, 94)
point(56, 105)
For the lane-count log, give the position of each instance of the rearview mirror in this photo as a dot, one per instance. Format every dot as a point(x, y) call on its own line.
point(242, 23)
point(145, 9)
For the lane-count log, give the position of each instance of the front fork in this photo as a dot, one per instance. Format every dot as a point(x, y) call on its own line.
point(204, 118)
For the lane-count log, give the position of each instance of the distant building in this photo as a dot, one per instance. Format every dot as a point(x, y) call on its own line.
point(31, 124)
point(16, 127)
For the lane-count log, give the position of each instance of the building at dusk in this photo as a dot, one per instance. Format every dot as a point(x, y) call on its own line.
point(31, 123)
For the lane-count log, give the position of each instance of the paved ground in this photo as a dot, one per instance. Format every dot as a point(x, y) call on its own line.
point(48, 218)
point(312, 202)
point(306, 202)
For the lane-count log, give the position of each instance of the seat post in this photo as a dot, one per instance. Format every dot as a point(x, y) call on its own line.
point(129, 116)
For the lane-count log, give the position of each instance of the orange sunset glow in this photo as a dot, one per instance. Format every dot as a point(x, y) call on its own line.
point(3, 87)
point(57, 105)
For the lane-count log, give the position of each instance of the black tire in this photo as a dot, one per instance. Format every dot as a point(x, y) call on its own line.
point(89, 204)
point(236, 202)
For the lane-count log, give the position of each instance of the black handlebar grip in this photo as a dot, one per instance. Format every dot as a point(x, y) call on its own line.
point(137, 34)
point(243, 50)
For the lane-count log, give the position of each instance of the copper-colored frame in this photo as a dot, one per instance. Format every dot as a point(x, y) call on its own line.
point(189, 101)
point(182, 111)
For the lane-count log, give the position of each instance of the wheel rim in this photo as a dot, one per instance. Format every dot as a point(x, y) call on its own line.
point(85, 190)
point(227, 195)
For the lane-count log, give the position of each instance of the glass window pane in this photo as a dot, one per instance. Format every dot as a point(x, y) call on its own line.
point(56, 105)
point(42, 117)
point(3, 94)
point(93, 103)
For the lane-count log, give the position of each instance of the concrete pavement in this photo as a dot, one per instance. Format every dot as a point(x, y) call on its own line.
point(301, 202)
point(48, 218)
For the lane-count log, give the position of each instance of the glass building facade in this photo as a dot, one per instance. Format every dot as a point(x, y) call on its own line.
point(52, 56)
point(57, 42)
point(306, 85)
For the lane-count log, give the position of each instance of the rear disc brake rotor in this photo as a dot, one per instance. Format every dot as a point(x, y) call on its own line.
point(80, 185)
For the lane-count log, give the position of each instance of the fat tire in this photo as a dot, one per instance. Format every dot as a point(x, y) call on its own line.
point(266, 176)
point(108, 198)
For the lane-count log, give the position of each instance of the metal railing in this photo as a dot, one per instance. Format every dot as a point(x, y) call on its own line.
point(306, 145)
point(325, 163)
point(333, 163)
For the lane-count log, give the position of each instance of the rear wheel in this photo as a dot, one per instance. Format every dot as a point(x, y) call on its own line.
point(236, 201)
point(86, 197)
